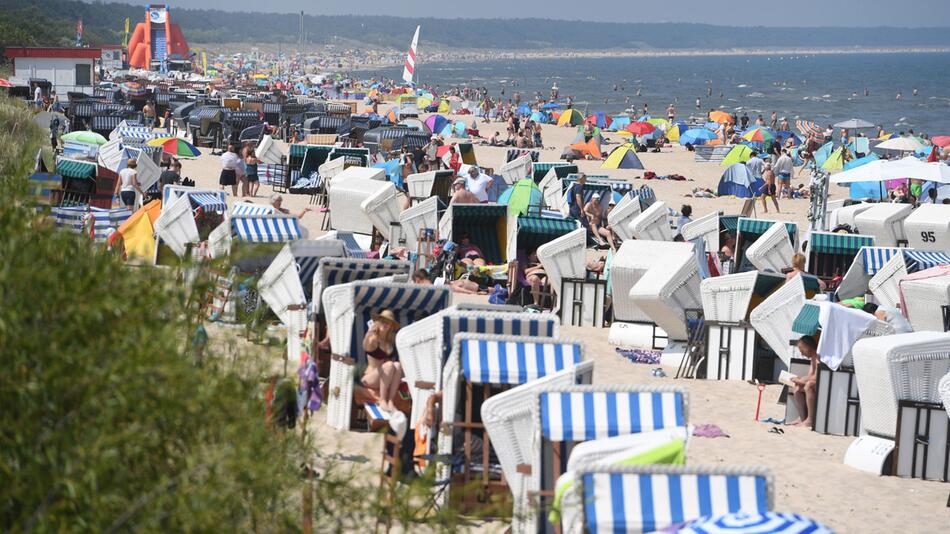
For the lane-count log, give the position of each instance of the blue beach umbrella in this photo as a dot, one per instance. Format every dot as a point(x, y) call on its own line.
point(696, 136)
point(551, 105)
point(761, 523)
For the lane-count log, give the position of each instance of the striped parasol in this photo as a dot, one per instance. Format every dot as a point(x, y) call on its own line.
point(764, 523)
point(808, 128)
point(176, 147)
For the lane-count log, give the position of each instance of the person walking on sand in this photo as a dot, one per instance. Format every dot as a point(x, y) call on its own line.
point(670, 112)
point(768, 188)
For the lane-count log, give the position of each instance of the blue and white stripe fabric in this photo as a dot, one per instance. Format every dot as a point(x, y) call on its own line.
point(586, 415)
point(139, 134)
point(105, 221)
point(266, 228)
point(646, 501)
point(246, 208)
point(507, 362)
point(875, 257)
point(209, 201)
point(537, 325)
point(918, 260)
point(333, 271)
point(764, 523)
point(409, 302)
point(373, 411)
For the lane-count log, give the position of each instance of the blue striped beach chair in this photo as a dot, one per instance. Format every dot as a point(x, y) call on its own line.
point(647, 498)
point(424, 346)
point(266, 228)
point(885, 284)
point(480, 366)
point(104, 221)
point(331, 271)
point(568, 416)
point(348, 308)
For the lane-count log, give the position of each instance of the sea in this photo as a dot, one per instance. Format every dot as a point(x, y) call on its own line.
point(822, 88)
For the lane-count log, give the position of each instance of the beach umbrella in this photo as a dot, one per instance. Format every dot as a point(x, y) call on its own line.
point(674, 132)
point(759, 135)
point(738, 154)
point(737, 181)
point(520, 196)
point(886, 136)
point(899, 169)
point(854, 124)
point(640, 128)
point(85, 136)
point(721, 117)
point(524, 109)
point(551, 105)
point(808, 128)
point(436, 123)
point(783, 135)
point(5, 83)
point(661, 124)
point(903, 144)
point(623, 157)
point(696, 136)
point(570, 117)
point(460, 129)
point(132, 88)
point(760, 523)
point(941, 140)
point(176, 147)
point(538, 116)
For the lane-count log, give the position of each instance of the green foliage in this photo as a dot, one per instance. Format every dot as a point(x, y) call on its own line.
point(52, 21)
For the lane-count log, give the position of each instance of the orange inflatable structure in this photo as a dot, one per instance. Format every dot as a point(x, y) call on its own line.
point(155, 40)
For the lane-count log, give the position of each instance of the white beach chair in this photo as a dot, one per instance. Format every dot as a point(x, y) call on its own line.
point(928, 227)
point(705, 227)
point(516, 169)
point(648, 498)
point(898, 378)
point(773, 318)
point(653, 224)
point(423, 215)
point(623, 213)
point(357, 245)
point(347, 198)
point(832, 254)
point(424, 346)
point(219, 239)
point(943, 390)
point(176, 225)
point(772, 251)
point(552, 191)
point(563, 258)
point(382, 208)
point(885, 221)
point(483, 365)
point(509, 421)
point(866, 264)
point(348, 308)
point(926, 301)
point(431, 184)
point(668, 289)
point(276, 228)
point(353, 173)
point(565, 417)
point(331, 271)
point(885, 285)
point(280, 287)
point(728, 302)
point(749, 231)
point(846, 214)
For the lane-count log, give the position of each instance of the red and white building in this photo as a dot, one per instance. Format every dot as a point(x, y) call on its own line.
point(68, 69)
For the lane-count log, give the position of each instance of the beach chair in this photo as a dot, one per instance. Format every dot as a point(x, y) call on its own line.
point(357, 246)
point(424, 346)
point(437, 184)
point(176, 226)
point(90, 221)
point(885, 284)
point(424, 215)
point(926, 299)
point(772, 251)
point(943, 389)
point(705, 227)
point(928, 227)
point(552, 191)
point(348, 308)
point(508, 418)
point(731, 344)
point(668, 289)
point(648, 498)
point(653, 224)
point(279, 286)
point(347, 199)
point(565, 417)
point(844, 216)
point(625, 211)
point(489, 227)
point(901, 408)
point(867, 262)
point(579, 300)
point(884, 221)
point(833, 254)
point(517, 168)
point(219, 240)
point(750, 231)
point(331, 271)
point(773, 318)
point(480, 366)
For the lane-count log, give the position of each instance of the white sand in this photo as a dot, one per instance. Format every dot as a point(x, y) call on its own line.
point(810, 476)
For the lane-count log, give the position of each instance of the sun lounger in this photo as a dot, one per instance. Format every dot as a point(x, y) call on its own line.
point(926, 300)
point(668, 289)
point(424, 346)
point(348, 308)
point(772, 251)
point(928, 227)
point(479, 366)
point(653, 224)
point(423, 215)
point(509, 421)
point(331, 271)
point(885, 284)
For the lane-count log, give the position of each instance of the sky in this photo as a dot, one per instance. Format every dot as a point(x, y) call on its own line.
point(854, 13)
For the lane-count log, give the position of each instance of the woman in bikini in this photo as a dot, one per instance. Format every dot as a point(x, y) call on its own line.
point(383, 372)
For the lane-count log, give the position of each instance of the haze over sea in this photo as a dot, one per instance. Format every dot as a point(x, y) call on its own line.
point(823, 88)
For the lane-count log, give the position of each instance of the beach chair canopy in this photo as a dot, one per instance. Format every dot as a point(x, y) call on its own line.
point(266, 228)
point(832, 243)
point(104, 221)
point(246, 208)
point(535, 231)
point(331, 271)
point(582, 415)
point(495, 360)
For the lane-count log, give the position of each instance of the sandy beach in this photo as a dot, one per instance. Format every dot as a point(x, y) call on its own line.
point(810, 476)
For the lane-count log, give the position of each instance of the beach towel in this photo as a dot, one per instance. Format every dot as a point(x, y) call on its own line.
point(649, 357)
point(840, 328)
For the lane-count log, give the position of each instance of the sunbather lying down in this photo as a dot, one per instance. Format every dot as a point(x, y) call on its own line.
point(469, 252)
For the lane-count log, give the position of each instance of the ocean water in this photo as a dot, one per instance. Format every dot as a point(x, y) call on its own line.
point(821, 88)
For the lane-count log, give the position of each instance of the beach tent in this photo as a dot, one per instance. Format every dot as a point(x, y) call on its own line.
point(570, 117)
point(591, 147)
point(520, 196)
point(444, 106)
point(524, 109)
point(835, 161)
point(738, 154)
point(737, 181)
point(138, 232)
point(623, 157)
point(823, 153)
point(436, 123)
point(661, 124)
point(696, 136)
point(674, 132)
point(538, 116)
point(600, 120)
point(619, 122)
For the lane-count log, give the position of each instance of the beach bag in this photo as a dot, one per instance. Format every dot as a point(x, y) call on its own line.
point(498, 295)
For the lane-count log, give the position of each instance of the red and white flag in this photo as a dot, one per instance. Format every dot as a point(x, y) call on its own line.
point(409, 70)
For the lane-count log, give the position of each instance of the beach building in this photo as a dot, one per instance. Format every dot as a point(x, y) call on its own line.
point(66, 68)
